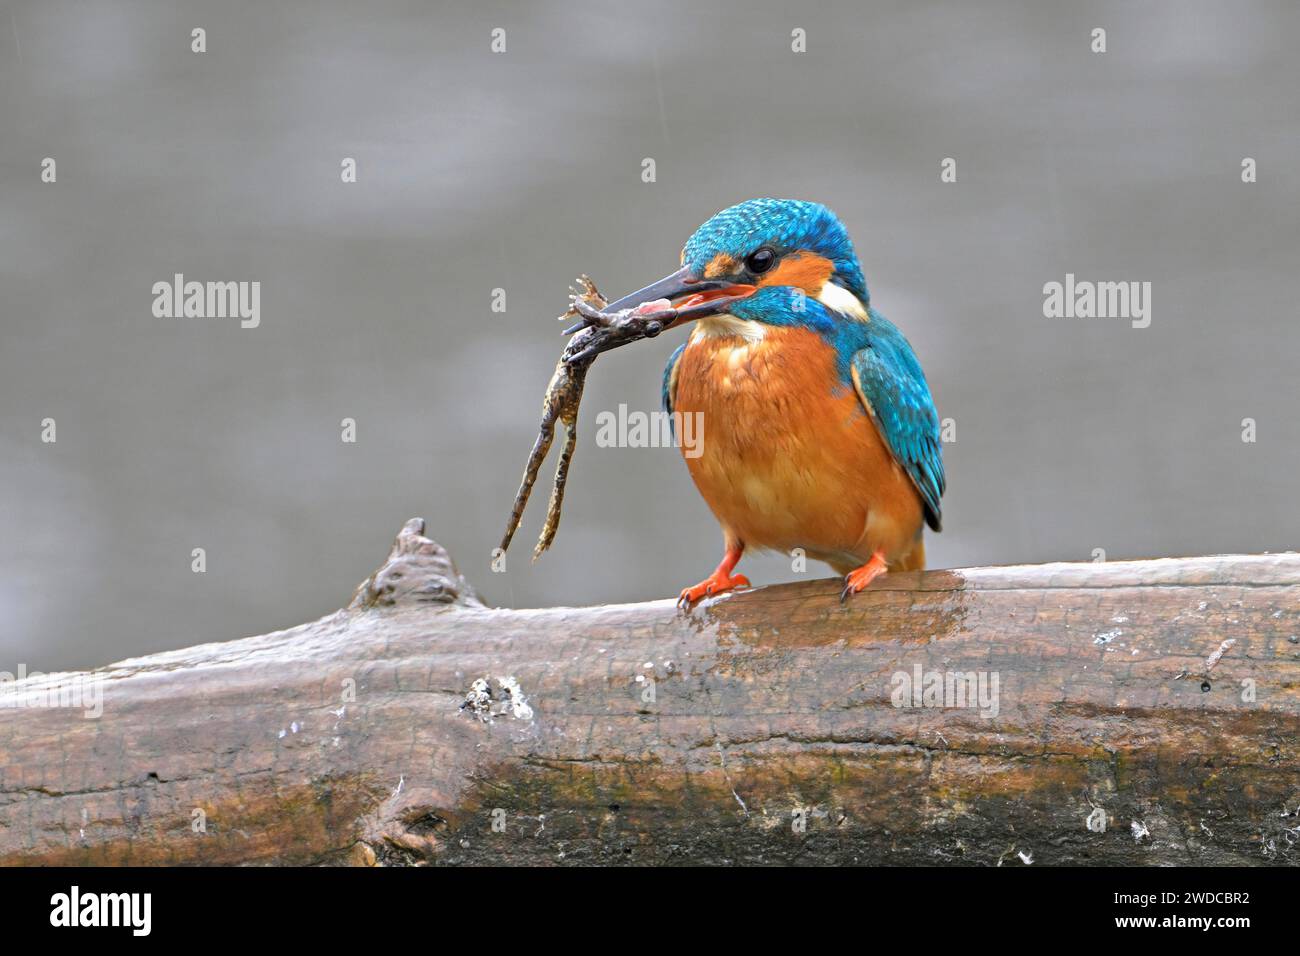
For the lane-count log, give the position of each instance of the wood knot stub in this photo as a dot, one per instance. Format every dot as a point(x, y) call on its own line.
point(418, 571)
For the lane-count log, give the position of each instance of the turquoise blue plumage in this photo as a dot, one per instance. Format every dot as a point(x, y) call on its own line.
point(820, 431)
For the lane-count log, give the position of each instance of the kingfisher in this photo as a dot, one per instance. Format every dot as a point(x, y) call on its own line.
point(820, 431)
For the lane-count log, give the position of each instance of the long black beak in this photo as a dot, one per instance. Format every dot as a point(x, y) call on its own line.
point(707, 296)
point(680, 283)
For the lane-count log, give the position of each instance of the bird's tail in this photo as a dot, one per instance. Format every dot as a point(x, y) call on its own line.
point(914, 560)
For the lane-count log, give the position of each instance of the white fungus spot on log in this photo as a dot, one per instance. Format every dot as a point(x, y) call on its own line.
point(515, 698)
point(1214, 657)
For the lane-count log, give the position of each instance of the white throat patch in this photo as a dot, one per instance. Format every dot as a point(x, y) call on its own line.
point(724, 325)
point(841, 300)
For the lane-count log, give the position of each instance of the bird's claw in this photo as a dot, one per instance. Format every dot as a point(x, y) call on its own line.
point(714, 584)
point(859, 578)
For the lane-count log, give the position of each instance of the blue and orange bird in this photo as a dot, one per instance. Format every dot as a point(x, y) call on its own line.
point(819, 429)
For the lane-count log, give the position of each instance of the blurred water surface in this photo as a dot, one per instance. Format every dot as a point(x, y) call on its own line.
point(519, 170)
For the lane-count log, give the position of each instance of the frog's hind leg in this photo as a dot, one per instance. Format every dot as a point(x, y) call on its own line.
point(552, 524)
point(545, 435)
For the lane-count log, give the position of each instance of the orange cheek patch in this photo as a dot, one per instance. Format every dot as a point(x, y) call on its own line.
point(804, 270)
point(722, 265)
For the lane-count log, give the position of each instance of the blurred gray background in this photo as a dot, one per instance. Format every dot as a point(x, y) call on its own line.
point(520, 170)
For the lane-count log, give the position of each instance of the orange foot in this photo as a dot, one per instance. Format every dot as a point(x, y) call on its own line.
point(715, 583)
point(720, 580)
point(858, 579)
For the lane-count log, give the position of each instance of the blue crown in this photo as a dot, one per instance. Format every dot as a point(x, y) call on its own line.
point(786, 225)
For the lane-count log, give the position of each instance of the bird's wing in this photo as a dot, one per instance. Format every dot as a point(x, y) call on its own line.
point(670, 382)
point(891, 385)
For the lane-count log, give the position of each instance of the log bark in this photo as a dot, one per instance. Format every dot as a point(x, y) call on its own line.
point(1146, 713)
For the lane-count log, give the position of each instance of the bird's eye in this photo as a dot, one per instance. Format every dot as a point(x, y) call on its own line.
point(760, 261)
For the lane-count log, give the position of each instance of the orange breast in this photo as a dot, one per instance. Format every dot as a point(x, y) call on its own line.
point(788, 457)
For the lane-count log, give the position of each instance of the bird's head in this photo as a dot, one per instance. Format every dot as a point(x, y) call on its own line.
point(763, 252)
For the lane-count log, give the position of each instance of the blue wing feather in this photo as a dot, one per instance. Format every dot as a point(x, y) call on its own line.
point(892, 386)
point(670, 384)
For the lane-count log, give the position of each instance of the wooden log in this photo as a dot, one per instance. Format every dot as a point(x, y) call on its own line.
point(1141, 712)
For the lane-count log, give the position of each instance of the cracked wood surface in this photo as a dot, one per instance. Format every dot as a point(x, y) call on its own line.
point(1146, 713)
